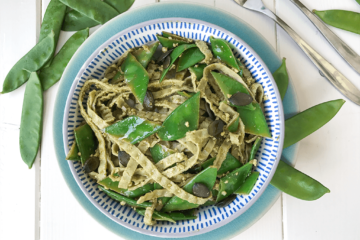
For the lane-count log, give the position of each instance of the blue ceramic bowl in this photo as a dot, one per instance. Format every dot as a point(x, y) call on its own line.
point(103, 48)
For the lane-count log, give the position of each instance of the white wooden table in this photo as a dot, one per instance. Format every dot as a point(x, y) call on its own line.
point(37, 204)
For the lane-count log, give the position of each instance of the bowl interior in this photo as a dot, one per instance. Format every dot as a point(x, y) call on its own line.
point(268, 155)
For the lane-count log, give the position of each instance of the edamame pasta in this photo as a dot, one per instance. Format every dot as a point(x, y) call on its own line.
point(174, 125)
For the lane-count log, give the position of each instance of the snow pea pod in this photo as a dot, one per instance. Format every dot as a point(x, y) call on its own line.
point(120, 5)
point(303, 124)
point(297, 184)
point(99, 11)
point(31, 62)
point(160, 216)
point(198, 70)
point(252, 116)
point(346, 20)
point(136, 77)
point(207, 177)
point(75, 21)
point(53, 19)
point(184, 215)
point(229, 164)
point(169, 43)
point(133, 128)
point(255, 148)
point(183, 119)
point(122, 198)
point(113, 185)
point(174, 55)
point(86, 141)
point(73, 154)
point(144, 56)
point(249, 184)
point(31, 120)
point(177, 37)
point(189, 58)
point(222, 51)
point(232, 181)
point(281, 78)
point(52, 74)
point(159, 152)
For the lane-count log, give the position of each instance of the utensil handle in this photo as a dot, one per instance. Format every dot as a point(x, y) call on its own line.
point(327, 70)
point(349, 55)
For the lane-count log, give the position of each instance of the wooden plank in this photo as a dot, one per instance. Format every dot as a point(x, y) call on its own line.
point(17, 182)
point(329, 154)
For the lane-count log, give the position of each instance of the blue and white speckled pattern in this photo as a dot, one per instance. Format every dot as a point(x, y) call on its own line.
point(107, 54)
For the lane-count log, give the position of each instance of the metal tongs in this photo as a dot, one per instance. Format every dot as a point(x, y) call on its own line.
point(336, 78)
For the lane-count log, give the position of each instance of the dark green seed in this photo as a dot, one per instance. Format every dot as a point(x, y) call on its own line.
point(201, 190)
point(216, 127)
point(91, 164)
point(209, 111)
point(241, 99)
point(123, 158)
point(226, 201)
point(131, 101)
point(164, 55)
point(167, 62)
point(149, 101)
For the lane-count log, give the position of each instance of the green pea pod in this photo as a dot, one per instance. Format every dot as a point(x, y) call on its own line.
point(303, 124)
point(75, 21)
point(249, 184)
point(133, 128)
point(185, 215)
point(253, 119)
point(281, 78)
point(52, 74)
point(229, 86)
point(31, 62)
point(177, 37)
point(159, 152)
point(99, 11)
point(85, 140)
point(159, 216)
point(144, 56)
point(169, 43)
point(117, 78)
point(113, 185)
point(183, 119)
point(186, 94)
point(189, 58)
point(122, 198)
point(52, 21)
point(198, 70)
point(120, 5)
point(136, 77)
point(207, 177)
point(232, 181)
point(174, 55)
point(255, 148)
point(229, 164)
point(31, 120)
point(297, 184)
point(233, 126)
point(346, 20)
point(73, 154)
point(222, 51)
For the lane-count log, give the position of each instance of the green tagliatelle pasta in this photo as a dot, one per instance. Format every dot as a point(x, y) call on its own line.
point(210, 124)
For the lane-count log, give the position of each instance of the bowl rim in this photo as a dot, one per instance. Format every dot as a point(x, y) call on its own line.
point(214, 226)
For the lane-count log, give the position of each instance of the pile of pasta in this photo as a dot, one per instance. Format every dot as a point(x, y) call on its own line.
point(106, 104)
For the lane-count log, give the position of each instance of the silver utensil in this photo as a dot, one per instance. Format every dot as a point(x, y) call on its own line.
point(349, 55)
point(326, 69)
